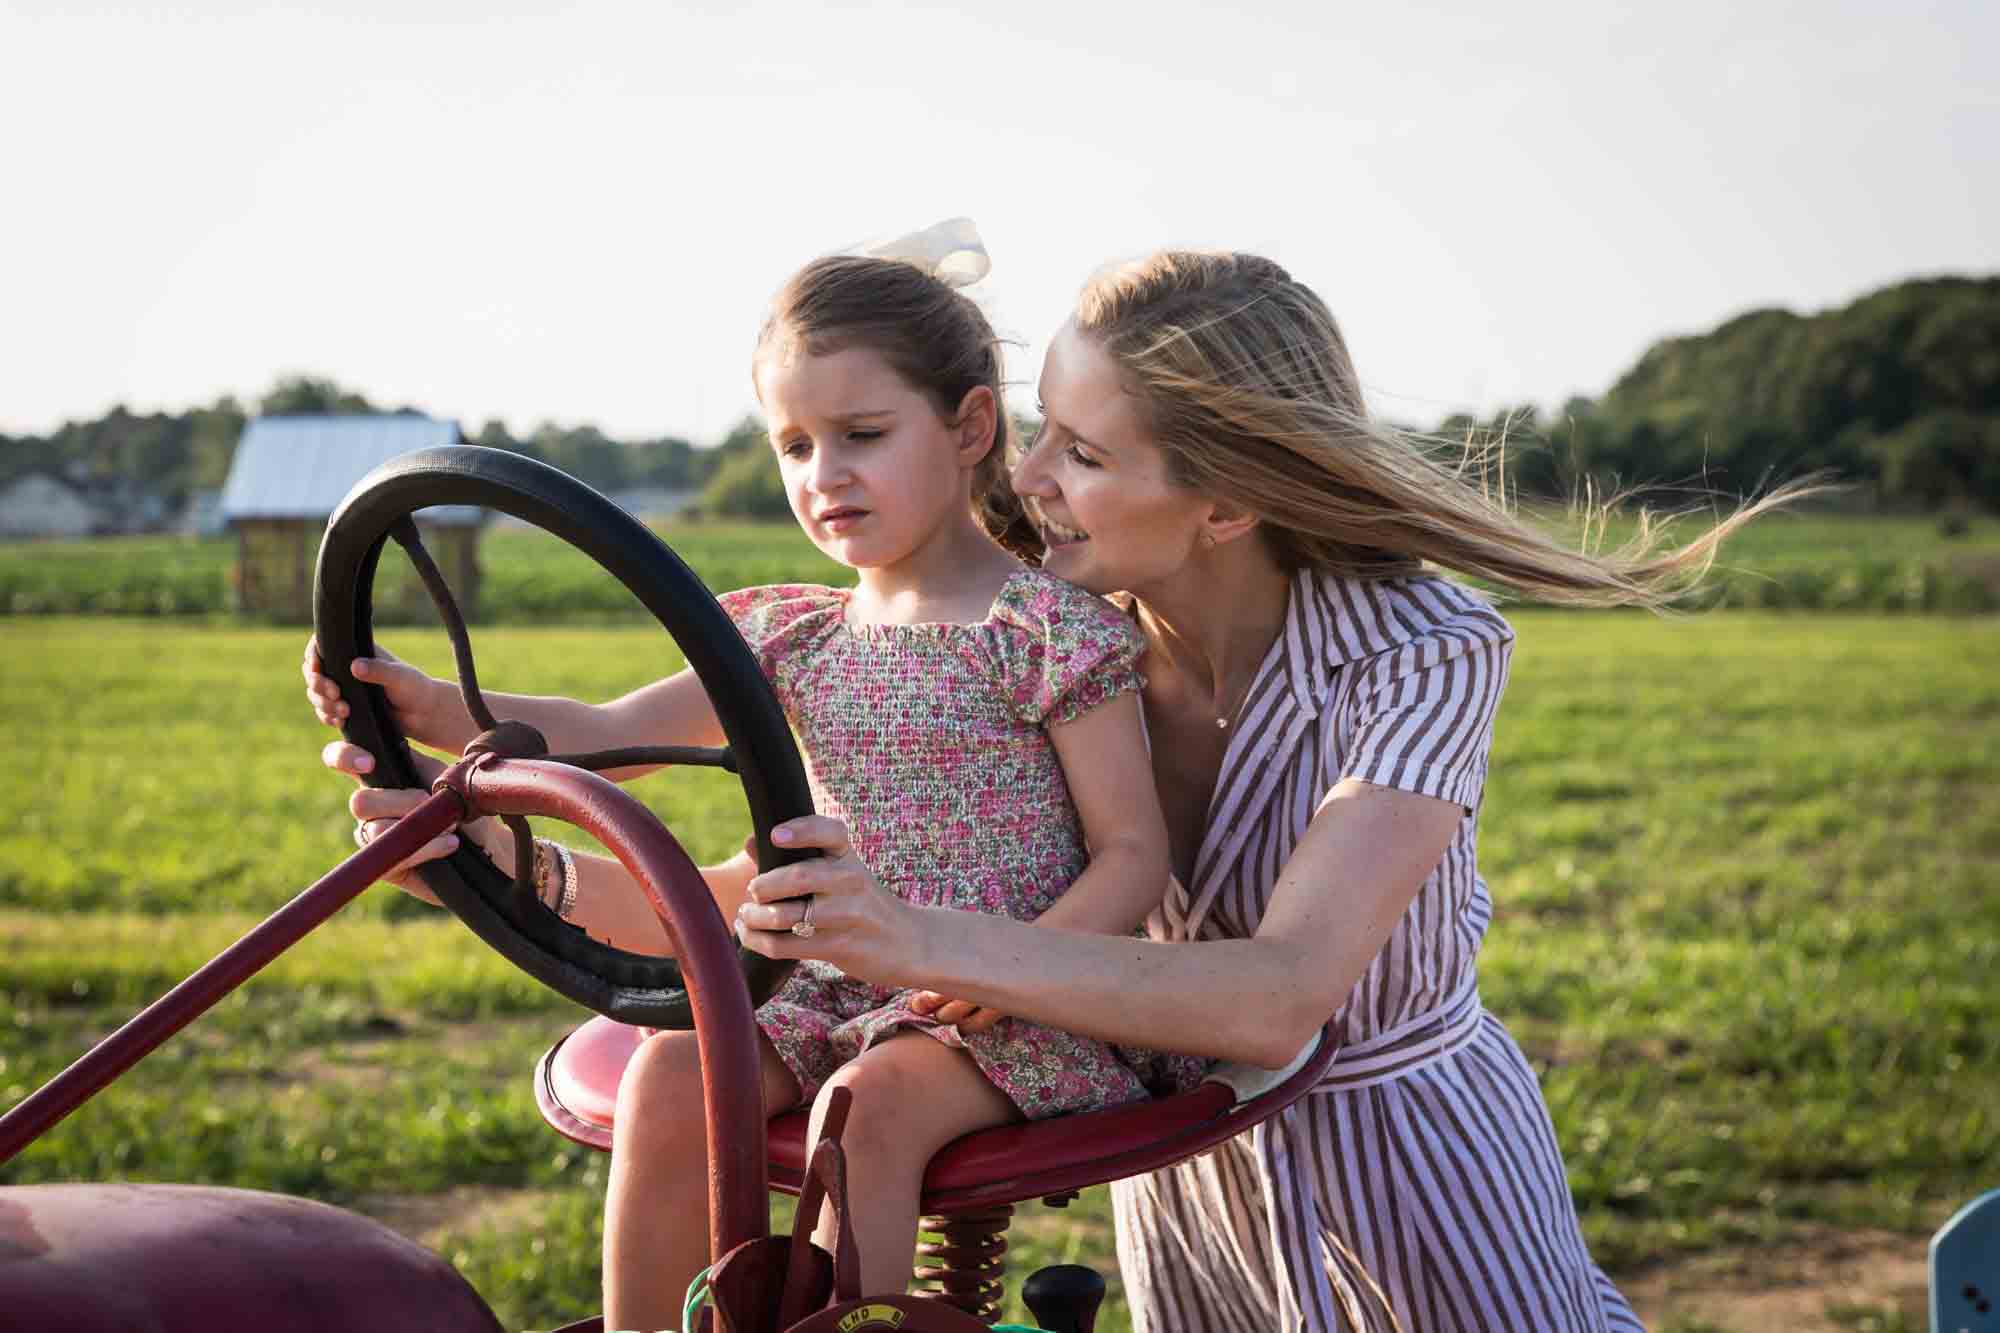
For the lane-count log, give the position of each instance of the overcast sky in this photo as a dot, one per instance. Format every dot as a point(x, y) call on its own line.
point(498, 211)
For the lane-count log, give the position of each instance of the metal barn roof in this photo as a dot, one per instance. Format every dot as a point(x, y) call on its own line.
point(302, 467)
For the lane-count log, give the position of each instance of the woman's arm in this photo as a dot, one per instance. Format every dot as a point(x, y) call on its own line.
point(610, 905)
point(1352, 876)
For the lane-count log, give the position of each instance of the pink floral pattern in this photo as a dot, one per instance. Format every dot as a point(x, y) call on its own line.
point(929, 741)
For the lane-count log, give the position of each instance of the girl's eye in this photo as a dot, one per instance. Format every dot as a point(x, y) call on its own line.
point(795, 449)
point(1080, 458)
point(864, 435)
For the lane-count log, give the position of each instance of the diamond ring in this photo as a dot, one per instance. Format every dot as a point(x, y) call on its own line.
point(804, 927)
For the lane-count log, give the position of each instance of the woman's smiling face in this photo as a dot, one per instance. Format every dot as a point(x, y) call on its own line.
point(1096, 484)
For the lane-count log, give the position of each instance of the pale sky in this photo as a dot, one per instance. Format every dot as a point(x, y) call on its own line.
point(494, 210)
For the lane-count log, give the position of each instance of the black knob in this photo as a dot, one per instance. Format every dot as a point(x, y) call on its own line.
point(1064, 1297)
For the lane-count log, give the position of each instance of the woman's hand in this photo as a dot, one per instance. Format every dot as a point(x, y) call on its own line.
point(852, 921)
point(376, 808)
point(426, 710)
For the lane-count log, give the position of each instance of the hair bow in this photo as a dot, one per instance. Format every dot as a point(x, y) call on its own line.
point(949, 251)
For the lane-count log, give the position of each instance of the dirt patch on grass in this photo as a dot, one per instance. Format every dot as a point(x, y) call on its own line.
point(1838, 1281)
point(429, 1219)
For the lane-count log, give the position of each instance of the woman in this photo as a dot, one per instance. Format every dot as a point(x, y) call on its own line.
point(1319, 712)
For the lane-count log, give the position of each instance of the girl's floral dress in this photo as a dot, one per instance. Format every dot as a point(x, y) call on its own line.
point(929, 741)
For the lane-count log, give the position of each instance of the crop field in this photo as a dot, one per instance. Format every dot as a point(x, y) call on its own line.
point(1787, 561)
point(1747, 869)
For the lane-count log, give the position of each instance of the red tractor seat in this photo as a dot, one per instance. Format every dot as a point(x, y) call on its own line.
point(576, 1088)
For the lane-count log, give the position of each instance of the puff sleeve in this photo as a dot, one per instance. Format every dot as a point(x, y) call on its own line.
point(779, 620)
point(1425, 710)
point(1060, 652)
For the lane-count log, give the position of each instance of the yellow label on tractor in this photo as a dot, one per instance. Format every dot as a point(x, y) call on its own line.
point(872, 1316)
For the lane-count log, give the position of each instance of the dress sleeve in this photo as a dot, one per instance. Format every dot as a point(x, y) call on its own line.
point(1061, 652)
point(1426, 709)
point(779, 619)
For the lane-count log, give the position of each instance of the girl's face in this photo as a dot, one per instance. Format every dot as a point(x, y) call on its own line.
point(1096, 485)
point(873, 473)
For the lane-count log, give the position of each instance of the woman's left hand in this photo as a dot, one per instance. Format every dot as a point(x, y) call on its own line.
point(849, 919)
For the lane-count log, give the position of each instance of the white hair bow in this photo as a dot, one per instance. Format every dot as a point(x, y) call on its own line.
point(949, 251)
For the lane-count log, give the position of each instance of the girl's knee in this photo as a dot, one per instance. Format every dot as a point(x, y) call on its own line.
point(903, 1097)
point(662, 1083)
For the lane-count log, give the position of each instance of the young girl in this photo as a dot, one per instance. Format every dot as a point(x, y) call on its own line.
point(974, 721)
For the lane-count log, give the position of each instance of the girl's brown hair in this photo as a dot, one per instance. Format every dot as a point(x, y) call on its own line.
point(932, 335)
point(1244, 379)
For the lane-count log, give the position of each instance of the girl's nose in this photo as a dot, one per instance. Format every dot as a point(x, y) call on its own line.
point(829, 472)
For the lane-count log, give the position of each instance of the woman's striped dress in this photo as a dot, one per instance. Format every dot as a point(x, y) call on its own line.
point(1426, 1157)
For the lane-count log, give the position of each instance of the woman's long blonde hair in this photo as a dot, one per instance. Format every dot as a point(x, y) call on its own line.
point(1245, 382)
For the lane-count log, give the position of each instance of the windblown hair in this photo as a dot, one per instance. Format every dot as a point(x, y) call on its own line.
point(1244, 380)
point(932, 335)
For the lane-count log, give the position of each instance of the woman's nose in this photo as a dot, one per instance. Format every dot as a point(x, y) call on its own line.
point(1030, 474)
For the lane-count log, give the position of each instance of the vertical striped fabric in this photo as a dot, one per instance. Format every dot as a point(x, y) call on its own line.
point(1420, 1184)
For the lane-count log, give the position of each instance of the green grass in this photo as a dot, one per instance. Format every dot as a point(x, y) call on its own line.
point(1747, 870)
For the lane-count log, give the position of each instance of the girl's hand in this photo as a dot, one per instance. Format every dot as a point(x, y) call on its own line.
point(376, 808)
point(426, 710)
point(964, 1015)
point(855, 923)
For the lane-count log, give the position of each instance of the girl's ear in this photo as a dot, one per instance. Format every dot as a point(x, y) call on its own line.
point(978, 414)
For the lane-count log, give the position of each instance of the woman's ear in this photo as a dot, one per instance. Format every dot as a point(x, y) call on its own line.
point(1225, 523)
point(978, 414)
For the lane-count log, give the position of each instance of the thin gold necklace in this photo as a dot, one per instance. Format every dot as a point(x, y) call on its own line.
point(1222, 720)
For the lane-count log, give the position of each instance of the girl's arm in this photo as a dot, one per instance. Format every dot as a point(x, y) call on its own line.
point(1110, 777)
point(674, 711)
point(1352, 876)
point(429, 710)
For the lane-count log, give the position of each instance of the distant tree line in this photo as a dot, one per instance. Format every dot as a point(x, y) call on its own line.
point(176, 454)
point(1899, 391)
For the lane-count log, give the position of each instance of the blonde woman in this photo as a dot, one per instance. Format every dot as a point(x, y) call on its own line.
point(1319, 709)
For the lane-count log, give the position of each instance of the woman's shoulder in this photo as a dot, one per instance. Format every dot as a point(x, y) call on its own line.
point(1363, 618)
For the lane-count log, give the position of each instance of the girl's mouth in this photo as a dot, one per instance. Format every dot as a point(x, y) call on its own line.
point(841, 519)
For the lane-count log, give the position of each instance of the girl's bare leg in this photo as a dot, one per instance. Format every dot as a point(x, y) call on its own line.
point(656, 1203)
point(912, 1095)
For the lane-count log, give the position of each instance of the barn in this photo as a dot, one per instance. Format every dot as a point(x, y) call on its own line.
point(288, 475)
point(38, 505)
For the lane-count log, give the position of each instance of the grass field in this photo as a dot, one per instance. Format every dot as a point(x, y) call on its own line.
point(1812, 561)
point(1747, 870)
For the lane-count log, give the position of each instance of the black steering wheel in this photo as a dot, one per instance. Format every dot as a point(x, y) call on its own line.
point(628, 987)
